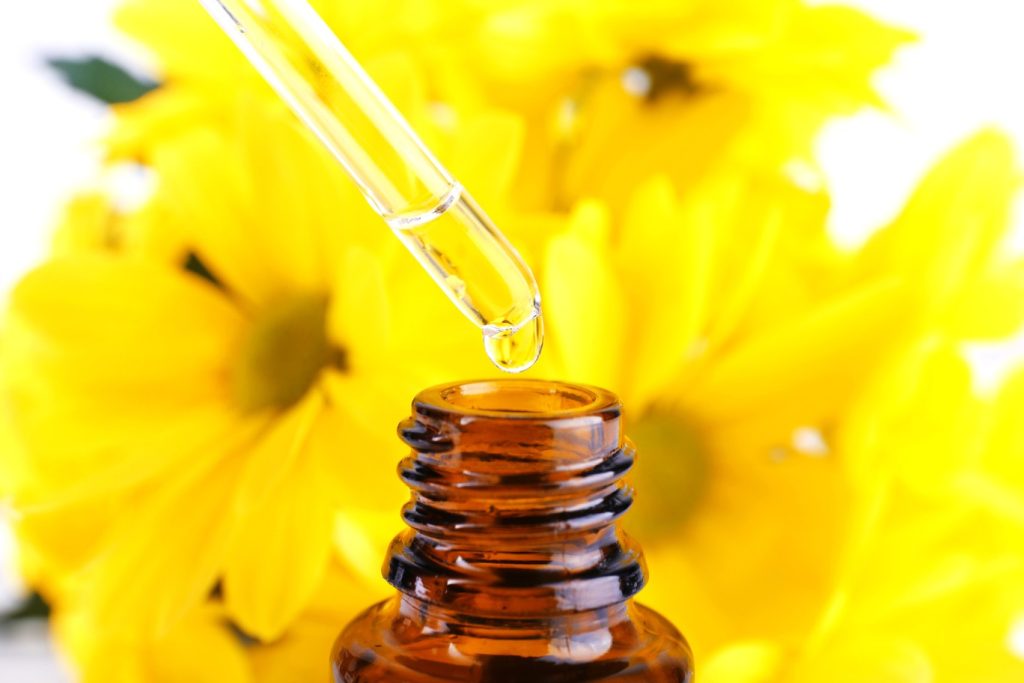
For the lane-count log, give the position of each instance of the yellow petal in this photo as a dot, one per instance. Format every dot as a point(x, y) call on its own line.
point(584, 305)
point(102, 450)
point(161, 25)
point(368, 403)
point(100, 320)
point(279, 553)
point(199, 649)
point(295, 187)
point(754, 662)
point(362, 535)
point(220, 213)
point(682, 137)
point(998, 482)
point(64, 538)
point(942, 435)
point(990, 306)
point(359, 318)
point(128, 357)
point(667, 257)
point(355, 442)
point(85, 224)
point(277, 450)
point(919, 420)
point(773, 234)
point(823, 354)
point(869, 659)
point(159, 118)
point(486, 155)
point(164, 554)
point(302, 655)
point(952, 226)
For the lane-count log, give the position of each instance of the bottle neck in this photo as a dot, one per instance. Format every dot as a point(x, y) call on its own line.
point(516, 489)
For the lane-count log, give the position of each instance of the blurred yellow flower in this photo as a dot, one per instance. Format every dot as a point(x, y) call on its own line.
point(757, 364)
point(222, 402)
point(678, 88)
point(612, 92)
point(929, 590)
point(302, 653)
point(200, 648)
point(203, 647)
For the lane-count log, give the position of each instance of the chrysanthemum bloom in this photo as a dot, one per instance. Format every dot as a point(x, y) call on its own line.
point(930, 584)
point(196, 420)
point(611, 92)
point(684, 270)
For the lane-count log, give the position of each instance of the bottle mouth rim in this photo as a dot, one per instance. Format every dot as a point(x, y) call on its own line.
point(517, 399)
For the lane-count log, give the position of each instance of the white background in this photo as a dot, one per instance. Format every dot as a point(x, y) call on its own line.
point(960, 76)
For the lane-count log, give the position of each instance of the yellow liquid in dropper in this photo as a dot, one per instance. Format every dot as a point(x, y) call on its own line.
point(515, 349)
point(464, 252)
point(480, 273)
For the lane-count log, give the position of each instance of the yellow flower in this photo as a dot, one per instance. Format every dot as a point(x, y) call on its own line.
point(611, 92)
point(673, 87)
point(199, 648)
point(754, 413)
point(303, 652)
point(750, 358)
point(664, 309)
point(96, 220)
point(229, 402)
point(930, 590)
point(203, 647)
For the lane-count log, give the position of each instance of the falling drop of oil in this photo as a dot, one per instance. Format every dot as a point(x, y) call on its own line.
point(515, 348)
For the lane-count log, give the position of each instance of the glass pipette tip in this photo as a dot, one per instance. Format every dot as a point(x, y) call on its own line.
point(428, 210)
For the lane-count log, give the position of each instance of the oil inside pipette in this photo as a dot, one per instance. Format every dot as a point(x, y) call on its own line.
point(464, 252)
point(515, 348)
point(481, 273)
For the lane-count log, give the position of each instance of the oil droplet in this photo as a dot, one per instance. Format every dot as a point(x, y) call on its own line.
point(515, 348)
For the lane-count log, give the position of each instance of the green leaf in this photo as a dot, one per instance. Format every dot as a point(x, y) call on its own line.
point(32, 607)
point(102, 79)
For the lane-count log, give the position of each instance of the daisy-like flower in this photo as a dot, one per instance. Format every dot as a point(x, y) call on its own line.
point(929, 588)
point(198, 648)
point(616, 91)
point(786, 528)
point(204, 647)
point(611, 92)
point(766, 377)
point(195, 422)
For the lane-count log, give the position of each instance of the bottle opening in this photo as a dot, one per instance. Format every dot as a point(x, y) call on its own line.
point(525, 398)
point(503, 424)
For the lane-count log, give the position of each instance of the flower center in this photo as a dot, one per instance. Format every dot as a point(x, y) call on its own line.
point(283, 353)
point(654, 77)
point(671, 474)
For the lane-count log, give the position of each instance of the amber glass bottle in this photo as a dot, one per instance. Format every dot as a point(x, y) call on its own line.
point(513, 569)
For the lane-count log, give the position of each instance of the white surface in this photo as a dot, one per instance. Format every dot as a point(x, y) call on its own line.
point(46, 150)
point(46, 131)
point(26, 656)
point(961, 75)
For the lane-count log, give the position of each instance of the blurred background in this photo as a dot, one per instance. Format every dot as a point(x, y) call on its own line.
point(963, 73)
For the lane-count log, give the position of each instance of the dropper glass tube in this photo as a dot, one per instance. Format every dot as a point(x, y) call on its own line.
point(429, 211)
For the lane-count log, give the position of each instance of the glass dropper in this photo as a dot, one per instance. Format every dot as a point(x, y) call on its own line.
point(429, 211)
